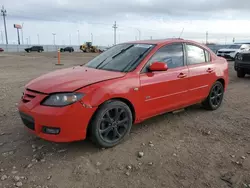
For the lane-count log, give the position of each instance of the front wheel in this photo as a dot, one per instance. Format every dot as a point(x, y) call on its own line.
point(111, 124)
point(215, 97)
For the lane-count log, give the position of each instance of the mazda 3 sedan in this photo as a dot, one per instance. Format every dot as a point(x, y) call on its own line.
point(122, 86)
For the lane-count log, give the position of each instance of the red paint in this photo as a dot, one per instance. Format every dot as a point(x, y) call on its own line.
point(158, 91)
point(158, 66)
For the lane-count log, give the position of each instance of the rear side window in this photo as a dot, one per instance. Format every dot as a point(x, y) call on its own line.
point(171, 54)
point(195, 54)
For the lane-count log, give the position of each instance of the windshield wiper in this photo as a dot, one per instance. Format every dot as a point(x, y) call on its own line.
point(122, 51)
point(113, 57)
point(131, 63)
point(101, 63)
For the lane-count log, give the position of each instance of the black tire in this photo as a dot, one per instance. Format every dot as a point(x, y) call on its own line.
point(105, 129)
point(215, 97)
point(241, 73)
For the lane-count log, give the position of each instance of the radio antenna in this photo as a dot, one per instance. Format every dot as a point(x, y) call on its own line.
point(181, 32)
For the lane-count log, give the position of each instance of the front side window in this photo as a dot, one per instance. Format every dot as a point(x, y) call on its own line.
point(171, 54)
point(195, 54)
point(121, 58)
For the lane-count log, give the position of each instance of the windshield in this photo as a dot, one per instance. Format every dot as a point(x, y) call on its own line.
point(121, 58)
point(234, 46)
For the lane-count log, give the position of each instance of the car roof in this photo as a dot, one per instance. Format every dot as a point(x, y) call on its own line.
point(156, 41)
point(165, 41)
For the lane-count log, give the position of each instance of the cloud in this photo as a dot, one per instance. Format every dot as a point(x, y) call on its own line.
point(157, 18)
point(75, 10)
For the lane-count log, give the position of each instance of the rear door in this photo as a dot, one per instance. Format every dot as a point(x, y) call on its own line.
point(201, 72)
point(164, 90)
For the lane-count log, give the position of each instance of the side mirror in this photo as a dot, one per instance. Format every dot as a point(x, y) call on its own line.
point(158, 66)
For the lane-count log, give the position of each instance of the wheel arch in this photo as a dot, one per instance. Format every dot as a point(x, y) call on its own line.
point(124, 100)
point(222, 81)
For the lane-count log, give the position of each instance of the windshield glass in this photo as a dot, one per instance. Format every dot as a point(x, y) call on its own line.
point(234, 46)
point(122, 57)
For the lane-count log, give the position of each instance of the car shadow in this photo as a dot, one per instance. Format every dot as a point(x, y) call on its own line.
point(86, 147)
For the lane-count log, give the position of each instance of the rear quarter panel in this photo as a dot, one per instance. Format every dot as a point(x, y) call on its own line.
point(221, 70)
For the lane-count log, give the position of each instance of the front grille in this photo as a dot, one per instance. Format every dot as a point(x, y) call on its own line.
point(246, 57)
point(28, 121)
point(226, 52)
point(28, 96)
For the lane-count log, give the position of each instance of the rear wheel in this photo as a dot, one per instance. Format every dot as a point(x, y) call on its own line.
point(241, 73)
point(215, 97)
point(111, 124)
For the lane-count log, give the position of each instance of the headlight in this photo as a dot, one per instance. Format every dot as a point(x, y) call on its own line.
point(62, 99)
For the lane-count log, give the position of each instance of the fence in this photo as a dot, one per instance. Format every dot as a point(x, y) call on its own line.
point(53, 48)
point(47, 48)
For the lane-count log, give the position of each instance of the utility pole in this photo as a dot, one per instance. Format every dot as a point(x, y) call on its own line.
point(4, 14)
point(27, 41)
point(78, 37)
point(151, 37)
point(92, 38)
point(22, 33)
point(207, 37)
point(18, 37)
point(54, 38)
point(139, 33)
point(38, 39)
point(115, 27)
point(2, 36)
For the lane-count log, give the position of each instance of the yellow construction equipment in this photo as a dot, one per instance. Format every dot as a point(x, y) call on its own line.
point(88, 47)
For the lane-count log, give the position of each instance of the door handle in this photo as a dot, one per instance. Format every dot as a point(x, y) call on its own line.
point(209, 70)
point(182, 75)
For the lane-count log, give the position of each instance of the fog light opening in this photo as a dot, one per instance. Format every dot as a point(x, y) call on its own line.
point(51, 130)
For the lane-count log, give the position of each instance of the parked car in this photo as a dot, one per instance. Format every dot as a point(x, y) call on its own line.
point(1, 50)
point(124, 85)
point(232, 50)
point(67, 49)
point(242, 64)
point(34, 49)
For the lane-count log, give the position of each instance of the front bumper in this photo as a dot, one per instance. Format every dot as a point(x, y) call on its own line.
point(230, 55)
point(242, 65)
point(71, 121)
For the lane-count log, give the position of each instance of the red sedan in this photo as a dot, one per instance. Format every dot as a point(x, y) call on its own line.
point(124, 85)
point(1, 50)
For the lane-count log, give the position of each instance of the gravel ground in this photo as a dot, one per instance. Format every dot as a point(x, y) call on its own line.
point(194, 148)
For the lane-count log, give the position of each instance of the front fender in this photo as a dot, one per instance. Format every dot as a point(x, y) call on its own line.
point(126, 88)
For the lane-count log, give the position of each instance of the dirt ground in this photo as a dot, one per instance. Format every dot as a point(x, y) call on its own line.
point(194, 148)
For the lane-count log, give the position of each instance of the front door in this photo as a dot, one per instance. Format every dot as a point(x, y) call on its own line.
point(163, 91)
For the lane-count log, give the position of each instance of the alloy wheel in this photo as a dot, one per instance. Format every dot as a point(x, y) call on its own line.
point(114, 124)
point(216, 95)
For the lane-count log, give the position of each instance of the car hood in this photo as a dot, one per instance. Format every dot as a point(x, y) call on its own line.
point(227, 49)
point(70, 79)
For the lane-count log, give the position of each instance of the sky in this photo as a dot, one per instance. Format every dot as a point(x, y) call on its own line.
point(76, 21)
